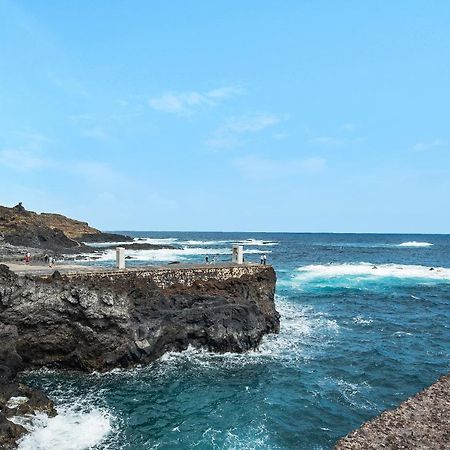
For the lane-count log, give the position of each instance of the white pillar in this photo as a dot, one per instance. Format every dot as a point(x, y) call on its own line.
point(120, 257)
point(237, 256)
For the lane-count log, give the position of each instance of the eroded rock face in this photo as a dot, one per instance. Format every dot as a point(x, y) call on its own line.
point(15, 399)
point(97, 324)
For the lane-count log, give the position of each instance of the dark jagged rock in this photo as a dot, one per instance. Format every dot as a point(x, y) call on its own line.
point(93, 238)
point(98, 323)
point(32, 400)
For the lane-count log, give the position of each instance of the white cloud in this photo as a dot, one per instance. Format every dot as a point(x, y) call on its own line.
point(332, 141)
point(230, 133)
point(70, 84)
point(97, 133)
point(423, 146)
point(186, 102)
point(22, 160)
point(250, 123)
point(280, 136)
point(263, 168)
point(225, 92)
point(327, 140)
point(348, 126)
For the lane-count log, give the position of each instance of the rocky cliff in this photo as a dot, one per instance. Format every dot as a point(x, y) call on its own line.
point(15, 398)
point(103, 322)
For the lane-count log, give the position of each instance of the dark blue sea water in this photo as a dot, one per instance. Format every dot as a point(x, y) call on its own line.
point(365, 323)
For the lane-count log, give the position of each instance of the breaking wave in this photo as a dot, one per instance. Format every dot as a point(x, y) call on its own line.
point(166, 255)
point(71, 429)
point(415, 244)
point(364, 275)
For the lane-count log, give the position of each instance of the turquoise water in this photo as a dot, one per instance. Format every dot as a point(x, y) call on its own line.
point(365, 323)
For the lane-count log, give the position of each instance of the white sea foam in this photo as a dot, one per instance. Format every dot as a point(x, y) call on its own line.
point(14, 402)
point(359, 320)
point(257, 242)
point(162, 241)
point(300, 326)
point(415, 244)
point(337, 274)
point(71, 429)
point(179, 254)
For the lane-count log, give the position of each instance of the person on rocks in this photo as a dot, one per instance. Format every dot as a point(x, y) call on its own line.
point(264, 259)
point(50, 261)
point(28, 257)
point(206, 259)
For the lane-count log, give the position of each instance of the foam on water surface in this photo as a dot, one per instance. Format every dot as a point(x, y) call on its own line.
point(167, 255)
point(363, 275)
point(71, 429)
point(415, 244)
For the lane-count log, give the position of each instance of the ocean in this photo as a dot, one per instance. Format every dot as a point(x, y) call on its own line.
point(365, 323)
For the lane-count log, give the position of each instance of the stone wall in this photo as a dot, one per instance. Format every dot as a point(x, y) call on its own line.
point(165, 277)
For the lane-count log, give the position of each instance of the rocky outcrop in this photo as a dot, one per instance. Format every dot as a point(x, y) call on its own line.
point(97, 323)
point(421, 422)
point(15, 399)
point(53, 232)
point(92, 238)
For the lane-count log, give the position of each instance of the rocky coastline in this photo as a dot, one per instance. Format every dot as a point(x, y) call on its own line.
point(421, 422)
point(101, 322)
point(16, 399)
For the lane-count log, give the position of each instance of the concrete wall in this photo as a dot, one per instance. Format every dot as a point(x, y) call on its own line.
point(166, 277)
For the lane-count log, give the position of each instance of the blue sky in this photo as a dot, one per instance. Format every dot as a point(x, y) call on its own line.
point(228, 115)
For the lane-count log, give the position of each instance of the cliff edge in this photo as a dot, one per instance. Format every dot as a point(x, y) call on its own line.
point(95, 322)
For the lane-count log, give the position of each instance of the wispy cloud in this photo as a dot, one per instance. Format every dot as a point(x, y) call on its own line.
point(183, 103)
point(24, 151)
point(98, 133)
point(263, 168)
point(230, 133)
point(69, 84)
point(327, 140)
point(22, 160)
point(333, 141)
point(429, 145)
point(348, 126)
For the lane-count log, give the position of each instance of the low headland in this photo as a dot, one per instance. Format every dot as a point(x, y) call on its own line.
point(84, 318)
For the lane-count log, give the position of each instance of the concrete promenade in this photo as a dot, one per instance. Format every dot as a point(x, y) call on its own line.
point(21, 268)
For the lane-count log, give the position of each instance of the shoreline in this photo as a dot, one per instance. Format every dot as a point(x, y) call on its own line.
point(420, 422)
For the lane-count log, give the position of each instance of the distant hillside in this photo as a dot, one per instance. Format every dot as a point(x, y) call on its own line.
point(48, 231)
point(74, 229)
